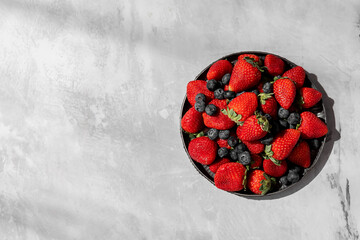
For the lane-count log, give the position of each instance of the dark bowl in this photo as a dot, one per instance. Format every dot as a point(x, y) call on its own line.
point(319, 110)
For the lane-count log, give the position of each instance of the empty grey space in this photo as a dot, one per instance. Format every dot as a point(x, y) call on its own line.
point(90, 99)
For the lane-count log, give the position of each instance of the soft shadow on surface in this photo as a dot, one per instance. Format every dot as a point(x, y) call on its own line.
point(332, 136)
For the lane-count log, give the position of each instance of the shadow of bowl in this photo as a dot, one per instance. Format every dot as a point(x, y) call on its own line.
point(324, 110)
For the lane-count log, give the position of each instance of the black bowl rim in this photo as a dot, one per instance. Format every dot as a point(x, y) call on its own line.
point(255, 196)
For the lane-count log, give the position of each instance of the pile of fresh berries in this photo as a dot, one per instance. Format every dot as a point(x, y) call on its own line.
point(252, 123)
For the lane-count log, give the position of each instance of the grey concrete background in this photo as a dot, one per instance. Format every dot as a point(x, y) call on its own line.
point(90, 98)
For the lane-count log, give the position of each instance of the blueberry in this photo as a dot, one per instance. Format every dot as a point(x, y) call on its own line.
point(226, 79)
point(229, 94)
point(283, 180)
point(283, 113)
point(294, 118)
point(256, 92)
point(283, 187)
point(200, 97)
point(222, 152)
point(296, 169)
point(240, 148)
point(232, 141)
point(283, 123)
point(210, 109)
point(219, 93)
point(233, 155)
point(212, 85)
point(292, 126)
point(200, 106)
point(224, 134)
point(244, 158)
point(267, 87)
point(293, 176)
point(314, 143)
point(238, 94)
point(213, 133)
point(268, 139)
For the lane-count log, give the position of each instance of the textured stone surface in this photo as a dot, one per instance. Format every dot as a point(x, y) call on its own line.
point(90, 99)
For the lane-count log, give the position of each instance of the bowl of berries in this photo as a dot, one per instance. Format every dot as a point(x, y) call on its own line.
point(253, 124)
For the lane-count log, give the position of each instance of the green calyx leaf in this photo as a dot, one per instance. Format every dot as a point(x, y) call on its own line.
point(196, 135)
point(244, 183)
point(254, 63)
point(264, 123)
point(268, 154)
point(298, 125)
point(275, 161)
point(233, 116)
point(265, 184)
point(264, 96)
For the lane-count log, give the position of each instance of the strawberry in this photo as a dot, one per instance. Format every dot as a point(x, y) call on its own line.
point(268, 104)
point(241, 107)
point(311, 126)
point(203, 150)
point(274, 170)
point(253, 56)
point(297, 75)
point(284, 142)
point(256, 161)
point(192, 121)
point(309, 97)
point(254, 128)
point(259, 182)
point(255, 147)
point(245, 75)
point(219, 69)
point(218, 120)
point(274, 65)
point(230, 176)
point(300, 155)
point(195, 87)
point(215, 165)
point(285, 92)
point(226, 87)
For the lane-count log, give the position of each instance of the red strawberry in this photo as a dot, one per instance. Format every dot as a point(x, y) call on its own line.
point(245, 75)
point(274, 64)
point(285, 92)
point(284, 142)
point(218, 120)
point(192, 121)
point(268, 104)
point(230, 177)
point(311, 126)
point(256, 161)
point(202, 150)
point(195, 87)
point(226, 88)
point(219, 69)
point(242, 107)
point(300, 155)
point(274, 170)
point(309, 96)
point(254, 128)
point(259, 182)
point(215, 165)
point(254, 147)
point(297, 74)
point(253, 56)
